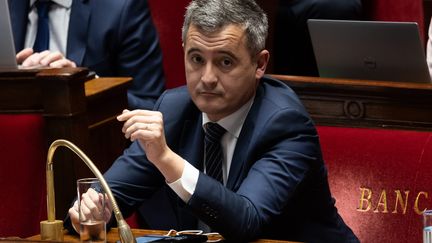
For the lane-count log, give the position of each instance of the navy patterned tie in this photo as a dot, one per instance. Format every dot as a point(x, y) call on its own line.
point(213, 150)
point(42, 36)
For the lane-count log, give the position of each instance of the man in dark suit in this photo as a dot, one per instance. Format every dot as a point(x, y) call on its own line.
point(271, 182)
point(110, 37)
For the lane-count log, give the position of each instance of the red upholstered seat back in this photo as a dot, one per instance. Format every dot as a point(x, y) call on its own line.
point(381, 180)
point(22, 175)
point(168, 19)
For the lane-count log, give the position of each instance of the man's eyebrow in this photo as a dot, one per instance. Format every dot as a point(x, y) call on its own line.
point(193, 50)
point(224, 52)
point(229, 53)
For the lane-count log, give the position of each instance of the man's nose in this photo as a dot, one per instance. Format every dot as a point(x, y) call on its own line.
point(209, 74)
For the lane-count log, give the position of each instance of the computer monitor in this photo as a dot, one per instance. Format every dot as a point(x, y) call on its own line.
point(7, 48)
point(373, 50)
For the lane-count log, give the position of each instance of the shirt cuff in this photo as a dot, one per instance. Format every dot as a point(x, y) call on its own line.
point(185, 186)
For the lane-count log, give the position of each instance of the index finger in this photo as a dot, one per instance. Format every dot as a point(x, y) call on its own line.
point(127, 114)
point(122, 116)
point(23, 54)
point(51, 57)
point(34, 59)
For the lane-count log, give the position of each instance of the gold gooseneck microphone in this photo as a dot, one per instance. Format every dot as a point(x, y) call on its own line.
point(52, 229)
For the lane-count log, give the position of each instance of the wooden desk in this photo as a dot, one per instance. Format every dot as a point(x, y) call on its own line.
point(364, 103)
point(112, 236)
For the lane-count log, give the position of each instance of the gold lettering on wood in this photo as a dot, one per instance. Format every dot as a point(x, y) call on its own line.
point(365, 203)
point(401, 201)
point(382, 202)
point(416, 203)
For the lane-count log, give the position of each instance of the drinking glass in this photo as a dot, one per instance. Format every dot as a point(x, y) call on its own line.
point(92, 225)
point(427, 226)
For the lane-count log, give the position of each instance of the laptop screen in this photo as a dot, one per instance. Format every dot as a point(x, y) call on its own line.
point(373, 50)
point(7, 49)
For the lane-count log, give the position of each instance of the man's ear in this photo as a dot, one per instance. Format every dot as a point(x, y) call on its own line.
point(262, 60)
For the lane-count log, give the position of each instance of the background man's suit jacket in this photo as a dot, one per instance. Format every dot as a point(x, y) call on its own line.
point(277, 185)
point(112, 38)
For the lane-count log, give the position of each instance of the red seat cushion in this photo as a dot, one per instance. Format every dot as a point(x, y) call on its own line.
point(392, 167)
point(22, 175)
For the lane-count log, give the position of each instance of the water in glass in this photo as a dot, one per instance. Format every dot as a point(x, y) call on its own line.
point(93, 231)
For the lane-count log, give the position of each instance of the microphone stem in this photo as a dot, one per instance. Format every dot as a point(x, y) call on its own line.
point(124, 229)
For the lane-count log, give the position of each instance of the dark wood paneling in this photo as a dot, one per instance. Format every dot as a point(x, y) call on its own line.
point(364, 103)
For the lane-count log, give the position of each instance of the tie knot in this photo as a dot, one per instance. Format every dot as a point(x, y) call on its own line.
point(214, 131)
point(42, 7)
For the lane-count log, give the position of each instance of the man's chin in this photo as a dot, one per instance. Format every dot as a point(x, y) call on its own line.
point(209, 109)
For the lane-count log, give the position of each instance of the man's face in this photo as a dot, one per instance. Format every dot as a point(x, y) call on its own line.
point(220, 72)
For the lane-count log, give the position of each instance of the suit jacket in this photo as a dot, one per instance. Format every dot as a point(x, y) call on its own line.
point(112, 38)
point(277, 185)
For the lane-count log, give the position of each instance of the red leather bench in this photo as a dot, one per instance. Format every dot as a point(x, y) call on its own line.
point(381, 180)
point(22, 174)
point(376, 140)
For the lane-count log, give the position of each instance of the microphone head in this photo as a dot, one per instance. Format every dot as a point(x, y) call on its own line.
point(125, 232)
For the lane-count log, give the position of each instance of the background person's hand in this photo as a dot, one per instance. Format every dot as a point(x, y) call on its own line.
point(29, 59)
point(23, 54)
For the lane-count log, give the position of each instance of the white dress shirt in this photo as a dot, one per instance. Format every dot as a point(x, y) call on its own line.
point(185, 186)
point(59, 15)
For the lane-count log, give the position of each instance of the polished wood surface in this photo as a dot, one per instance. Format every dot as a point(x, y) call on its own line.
point(112, 236)
point(364, 103)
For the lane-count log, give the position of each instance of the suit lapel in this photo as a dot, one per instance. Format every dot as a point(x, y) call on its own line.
point(77, 34)
point(19, 17)
point(239, 159)
point(242, 153)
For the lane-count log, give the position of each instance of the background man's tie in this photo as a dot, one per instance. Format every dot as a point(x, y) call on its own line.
point(213, 150)
point(42, 36)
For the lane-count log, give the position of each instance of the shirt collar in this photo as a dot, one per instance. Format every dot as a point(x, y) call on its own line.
point(231, 122)
point(63, 3)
